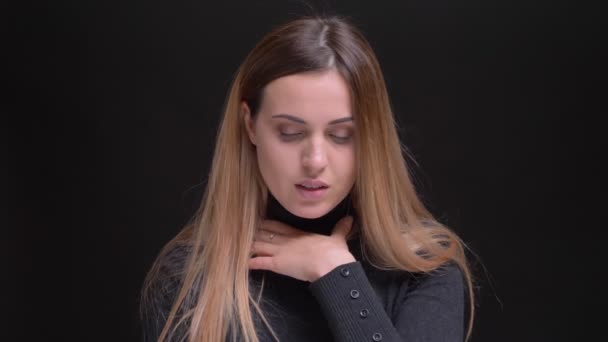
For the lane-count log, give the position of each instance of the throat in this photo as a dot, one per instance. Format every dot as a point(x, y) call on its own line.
point(322, 225)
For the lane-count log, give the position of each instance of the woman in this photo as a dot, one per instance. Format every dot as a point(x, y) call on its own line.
point(310, 228)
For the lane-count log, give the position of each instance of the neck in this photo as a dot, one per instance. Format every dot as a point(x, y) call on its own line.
point(322, 225)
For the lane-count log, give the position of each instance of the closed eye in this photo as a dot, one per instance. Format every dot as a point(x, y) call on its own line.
point(340, 139)
point(290, 136)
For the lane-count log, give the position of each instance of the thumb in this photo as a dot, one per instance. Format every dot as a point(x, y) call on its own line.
point(343, 227)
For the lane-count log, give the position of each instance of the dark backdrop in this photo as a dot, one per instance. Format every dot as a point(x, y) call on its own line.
point(119, 113)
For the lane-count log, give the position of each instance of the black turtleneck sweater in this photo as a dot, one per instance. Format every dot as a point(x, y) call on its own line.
point(354, 302)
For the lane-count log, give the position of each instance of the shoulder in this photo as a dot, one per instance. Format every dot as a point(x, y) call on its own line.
point(164, 277)
point(171, 262)
point(160, 289)
point(448, 277)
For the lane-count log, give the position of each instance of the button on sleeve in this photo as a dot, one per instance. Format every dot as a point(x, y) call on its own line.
point(364, 313)
point(351, 306)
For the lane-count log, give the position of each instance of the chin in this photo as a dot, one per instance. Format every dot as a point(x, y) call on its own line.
point(310, 211)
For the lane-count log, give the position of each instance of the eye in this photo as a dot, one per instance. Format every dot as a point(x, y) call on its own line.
point(285, 136)
point(341, 136)
point(340, 139)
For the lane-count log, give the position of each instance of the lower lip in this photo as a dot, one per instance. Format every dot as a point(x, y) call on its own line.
point(311, 194)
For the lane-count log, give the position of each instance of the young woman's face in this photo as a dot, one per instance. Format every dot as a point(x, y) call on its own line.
point(304, 137)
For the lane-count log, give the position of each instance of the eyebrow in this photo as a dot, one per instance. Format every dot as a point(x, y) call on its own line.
point(298, 120)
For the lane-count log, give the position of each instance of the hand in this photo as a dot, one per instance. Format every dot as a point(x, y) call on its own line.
point(306, 256)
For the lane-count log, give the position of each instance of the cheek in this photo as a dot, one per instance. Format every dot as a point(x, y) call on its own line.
point(275, 160)
point(344, 165)
point(351, 165)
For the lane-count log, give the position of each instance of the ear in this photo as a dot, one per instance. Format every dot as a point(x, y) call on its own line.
point(249, 122)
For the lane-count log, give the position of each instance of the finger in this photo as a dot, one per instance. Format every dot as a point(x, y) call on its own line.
point(343, 227)
point(267, 236)
point(279, 228)
point(262, 263)
point(263, 248)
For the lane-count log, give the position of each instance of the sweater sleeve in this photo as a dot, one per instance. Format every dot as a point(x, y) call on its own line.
point(431, 311)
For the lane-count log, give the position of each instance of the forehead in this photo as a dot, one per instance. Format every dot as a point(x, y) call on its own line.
point(315, 97)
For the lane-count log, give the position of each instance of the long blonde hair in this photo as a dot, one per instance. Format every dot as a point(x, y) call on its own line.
point(397, 231)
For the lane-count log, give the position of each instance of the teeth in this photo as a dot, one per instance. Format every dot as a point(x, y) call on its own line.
point(310, 187)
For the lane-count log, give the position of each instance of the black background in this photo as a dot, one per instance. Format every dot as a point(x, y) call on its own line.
point(112, 117)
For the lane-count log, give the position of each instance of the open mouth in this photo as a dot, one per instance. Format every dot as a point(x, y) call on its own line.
point(312, 191)
point(311, 188)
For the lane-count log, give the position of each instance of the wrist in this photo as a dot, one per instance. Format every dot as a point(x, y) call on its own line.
point(330, 264)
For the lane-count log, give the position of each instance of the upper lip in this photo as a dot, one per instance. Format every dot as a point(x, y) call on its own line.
point(313, 183)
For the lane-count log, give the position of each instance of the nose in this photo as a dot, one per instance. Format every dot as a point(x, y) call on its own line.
point(314, 158)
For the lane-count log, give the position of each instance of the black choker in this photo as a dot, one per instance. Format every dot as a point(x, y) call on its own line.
point(322, 225)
